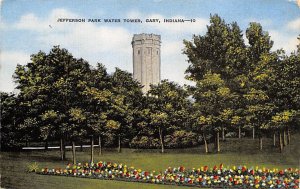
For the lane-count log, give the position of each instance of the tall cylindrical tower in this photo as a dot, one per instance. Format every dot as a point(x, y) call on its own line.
point(146, 59)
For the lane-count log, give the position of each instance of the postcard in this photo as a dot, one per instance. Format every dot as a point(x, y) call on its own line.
point(150, 94)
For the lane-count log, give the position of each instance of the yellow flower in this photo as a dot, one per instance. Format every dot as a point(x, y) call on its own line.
point(270, 182)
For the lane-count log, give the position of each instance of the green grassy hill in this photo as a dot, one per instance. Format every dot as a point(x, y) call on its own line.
point(234, 152)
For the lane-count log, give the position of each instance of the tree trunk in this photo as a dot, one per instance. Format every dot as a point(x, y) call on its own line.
point(205, 143)
point(46, 145)
point(280, 142)
point(215, 142)
point(92, 149)
point(239, 131)
point(81, 147)
point(284, 138)
point(218, 142)
point(62, 150)
point(223, 133)
point(161, 140)
point(100, 145)
point(119, 146)
point(73, 152)
point(288, 136)
point(260, 143)
point(274, 139)
point(253, 133)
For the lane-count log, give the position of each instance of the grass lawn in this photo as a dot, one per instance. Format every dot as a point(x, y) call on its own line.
point(234, 152)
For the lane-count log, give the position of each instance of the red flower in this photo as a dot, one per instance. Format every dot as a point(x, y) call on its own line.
point(278, 181)
point(281, 172)
point(205, 168)
point(181, 168)
point(221, 166)
point(244, 169)
point(215, 167)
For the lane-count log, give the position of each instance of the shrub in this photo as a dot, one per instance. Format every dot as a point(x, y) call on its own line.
point(33, 167)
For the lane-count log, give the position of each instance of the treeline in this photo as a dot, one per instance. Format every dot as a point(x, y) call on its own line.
point(239, 88)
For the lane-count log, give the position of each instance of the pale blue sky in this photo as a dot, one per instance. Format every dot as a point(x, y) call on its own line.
point(25, 29)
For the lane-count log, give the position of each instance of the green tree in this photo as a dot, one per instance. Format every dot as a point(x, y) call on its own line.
point(261, 75)
point(10, 130)
point(169, 105)
point(214, 98)
point(202, 125)
point(285, 90)
point(260, 42)
point(97, 92)
point(126, 100)
point(49, 88)
point(221, 50)
point(281, 121)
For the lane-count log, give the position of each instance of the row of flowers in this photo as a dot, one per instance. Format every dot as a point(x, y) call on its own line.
point(217, 176)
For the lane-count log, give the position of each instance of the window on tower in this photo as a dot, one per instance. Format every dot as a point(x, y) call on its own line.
point(139, 52)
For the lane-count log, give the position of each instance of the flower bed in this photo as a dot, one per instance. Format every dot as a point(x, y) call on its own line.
point(216, 177)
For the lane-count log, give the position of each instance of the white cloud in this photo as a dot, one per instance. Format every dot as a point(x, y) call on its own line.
point(294, 25)
point(167, 27)
point(171, 48)
point(264, 22)
point(34, 23)
point(110, 44)
point(281, 40)
point(91, 41)
point(8, 63)
point(179, 27)
point(295, 1)
point(133, 14)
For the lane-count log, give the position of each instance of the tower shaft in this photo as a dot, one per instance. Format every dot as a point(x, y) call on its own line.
point(146, 59)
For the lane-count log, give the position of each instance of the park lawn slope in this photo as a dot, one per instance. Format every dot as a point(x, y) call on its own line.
point(234, 152)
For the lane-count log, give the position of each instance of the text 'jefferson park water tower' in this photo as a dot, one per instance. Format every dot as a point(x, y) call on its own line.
point(146, 59)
